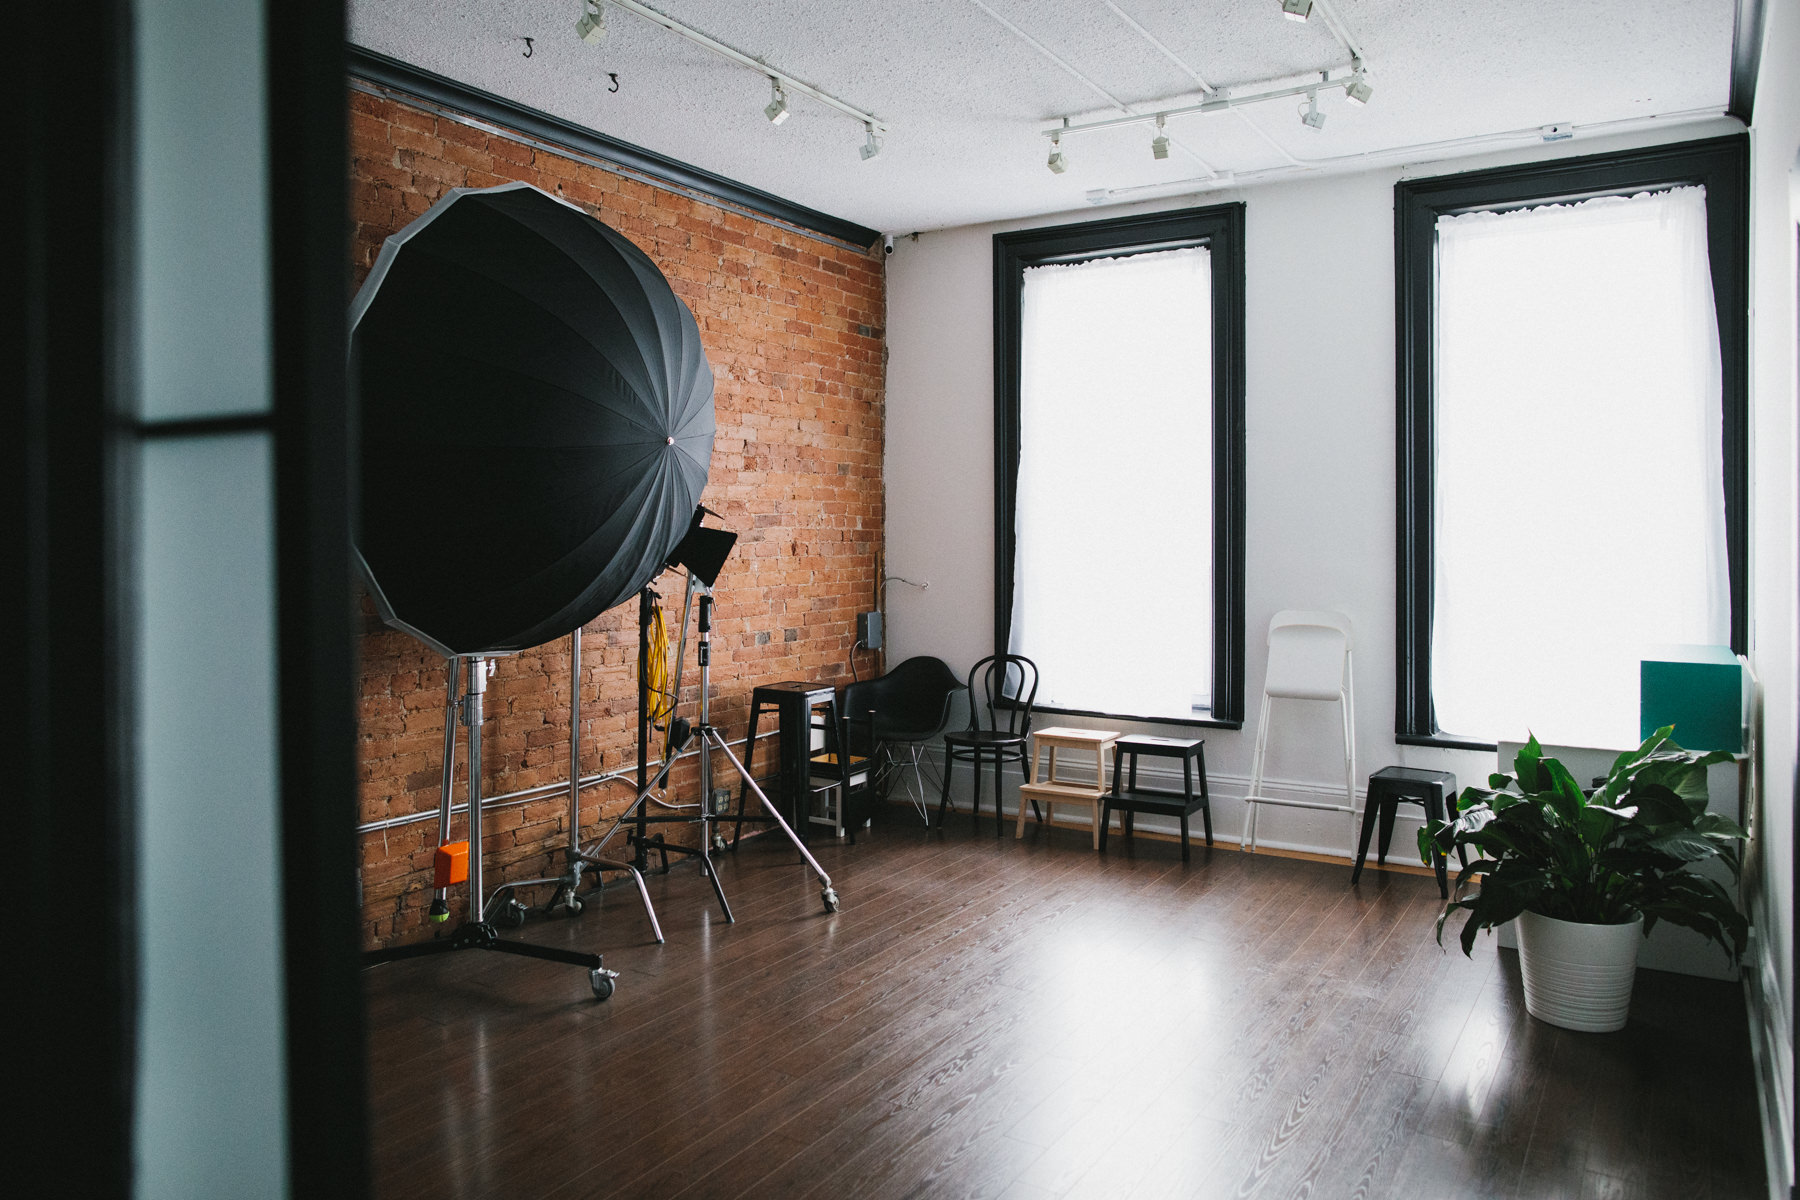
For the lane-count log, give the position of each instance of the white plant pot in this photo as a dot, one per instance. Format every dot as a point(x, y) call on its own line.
point(1578, 976)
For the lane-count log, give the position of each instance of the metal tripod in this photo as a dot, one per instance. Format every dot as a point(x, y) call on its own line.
point(502, 905)
point(712, 739)
point(478, 933)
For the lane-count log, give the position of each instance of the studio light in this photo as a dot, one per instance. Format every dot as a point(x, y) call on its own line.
point(1296, 10)
point(592, 25)
point(1159, 146)
point(777, 111)
point(1057, 164)
point(1312, 117)
point(1359, 90)
point(872, 147)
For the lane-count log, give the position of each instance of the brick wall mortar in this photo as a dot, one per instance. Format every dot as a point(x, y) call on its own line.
point(793, 329)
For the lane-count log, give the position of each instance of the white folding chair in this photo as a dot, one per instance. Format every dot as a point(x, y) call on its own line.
point(1309, 659)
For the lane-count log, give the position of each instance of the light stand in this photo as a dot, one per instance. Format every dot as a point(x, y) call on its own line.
point(710, 734)
point(503, 904)
point(477, 933)
point(702, 552)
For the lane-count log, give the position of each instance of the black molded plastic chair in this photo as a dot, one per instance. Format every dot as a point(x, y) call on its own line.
point(1008, 687)
point(892, 716)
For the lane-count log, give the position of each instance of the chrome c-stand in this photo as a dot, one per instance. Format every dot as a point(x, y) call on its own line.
point(503, 906)
point(712, 739)
point(477, 933)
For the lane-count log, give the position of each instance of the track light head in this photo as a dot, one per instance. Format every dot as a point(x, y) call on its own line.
point(1296, 10)
point(1058, 163)
point(777, 110)
point(591, 28)
point(1312, 118)
point(1159, 146)
point(1359, 90)
point(872, 146)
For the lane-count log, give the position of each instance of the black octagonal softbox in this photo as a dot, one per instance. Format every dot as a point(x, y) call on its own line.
point(537, 421)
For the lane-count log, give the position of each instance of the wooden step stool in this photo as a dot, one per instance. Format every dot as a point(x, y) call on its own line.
point(1051, 790)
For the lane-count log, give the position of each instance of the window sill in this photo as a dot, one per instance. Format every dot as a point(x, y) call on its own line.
point(1195, 722)
point(1442, 742)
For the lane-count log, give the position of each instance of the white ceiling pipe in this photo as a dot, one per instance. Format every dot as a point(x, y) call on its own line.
point(788, 82)
point(1340, 31)
point(1156, 42)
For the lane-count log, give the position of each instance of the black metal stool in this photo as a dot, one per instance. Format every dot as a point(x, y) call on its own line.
point(1132, 799)
point(793, 704)
point(1435, 791)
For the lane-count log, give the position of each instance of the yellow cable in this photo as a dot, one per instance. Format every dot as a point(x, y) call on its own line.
point(656, 678)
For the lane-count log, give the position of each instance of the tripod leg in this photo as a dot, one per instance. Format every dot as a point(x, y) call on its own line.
point(599, 978)
point(643, 798)
point(607, 864)
point(573, 958)
point(826, 892)
point(389, 954)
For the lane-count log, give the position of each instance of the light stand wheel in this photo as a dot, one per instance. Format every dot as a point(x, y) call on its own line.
point(572, 903)
point(830, 897)
point(602, 982)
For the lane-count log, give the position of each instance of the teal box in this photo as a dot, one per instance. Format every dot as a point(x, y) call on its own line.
point(1697, 689)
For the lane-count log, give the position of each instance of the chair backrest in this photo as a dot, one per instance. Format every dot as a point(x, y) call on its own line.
point(911, 703)
point(1002, 689)
point(1307, 653)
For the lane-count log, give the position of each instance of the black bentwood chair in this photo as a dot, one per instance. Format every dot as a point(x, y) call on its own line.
point(999, 726)
point(892, 716)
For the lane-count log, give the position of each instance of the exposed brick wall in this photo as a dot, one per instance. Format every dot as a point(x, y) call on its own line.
point(792, 326)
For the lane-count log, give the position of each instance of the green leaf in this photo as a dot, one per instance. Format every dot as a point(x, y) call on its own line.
point(1525, 765)
point(1719, 825)
point(1684, 845)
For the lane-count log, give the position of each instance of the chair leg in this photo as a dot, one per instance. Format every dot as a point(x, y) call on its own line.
point(999, 810)
point(1434, 811)
point(944, 796)
point(975, 768)
point(1368, 827)
point(918, 781)
point(1390, 806)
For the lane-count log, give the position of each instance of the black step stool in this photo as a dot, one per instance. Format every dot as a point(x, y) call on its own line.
point(1132, 799)
point(1435, 791)
point(797, 706)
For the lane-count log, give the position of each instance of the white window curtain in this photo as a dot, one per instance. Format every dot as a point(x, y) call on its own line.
point(1580, 502)
point(1112, 592)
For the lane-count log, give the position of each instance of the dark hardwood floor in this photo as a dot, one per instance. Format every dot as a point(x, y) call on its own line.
point(1030, 1019)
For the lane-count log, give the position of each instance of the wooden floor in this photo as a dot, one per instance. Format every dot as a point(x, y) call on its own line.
point(1029, 1019)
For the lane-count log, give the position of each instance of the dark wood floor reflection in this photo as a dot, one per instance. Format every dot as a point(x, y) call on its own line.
point(1029, 1019)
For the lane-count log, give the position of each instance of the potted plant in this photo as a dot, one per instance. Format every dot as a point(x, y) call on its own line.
point(1587, 876)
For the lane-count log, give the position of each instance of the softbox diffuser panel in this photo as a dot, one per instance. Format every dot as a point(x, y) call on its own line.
point(537, 420)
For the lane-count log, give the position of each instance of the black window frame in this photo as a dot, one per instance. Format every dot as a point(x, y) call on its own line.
point(1220, 228)
point(1722, 166)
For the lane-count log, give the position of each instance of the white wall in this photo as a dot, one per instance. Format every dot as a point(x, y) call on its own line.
point(1775, 204)
point(1321, 417)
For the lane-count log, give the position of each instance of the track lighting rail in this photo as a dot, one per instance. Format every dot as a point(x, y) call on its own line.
point(1219, 102)
point(786, 83)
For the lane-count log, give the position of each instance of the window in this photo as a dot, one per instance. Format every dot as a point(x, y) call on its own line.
point(1119, 463)
point(1572, 437)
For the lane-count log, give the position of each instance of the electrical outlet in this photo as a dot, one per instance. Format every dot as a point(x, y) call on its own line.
point(721, 800)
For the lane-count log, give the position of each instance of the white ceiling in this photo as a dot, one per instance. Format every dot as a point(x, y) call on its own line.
point(967, 86)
